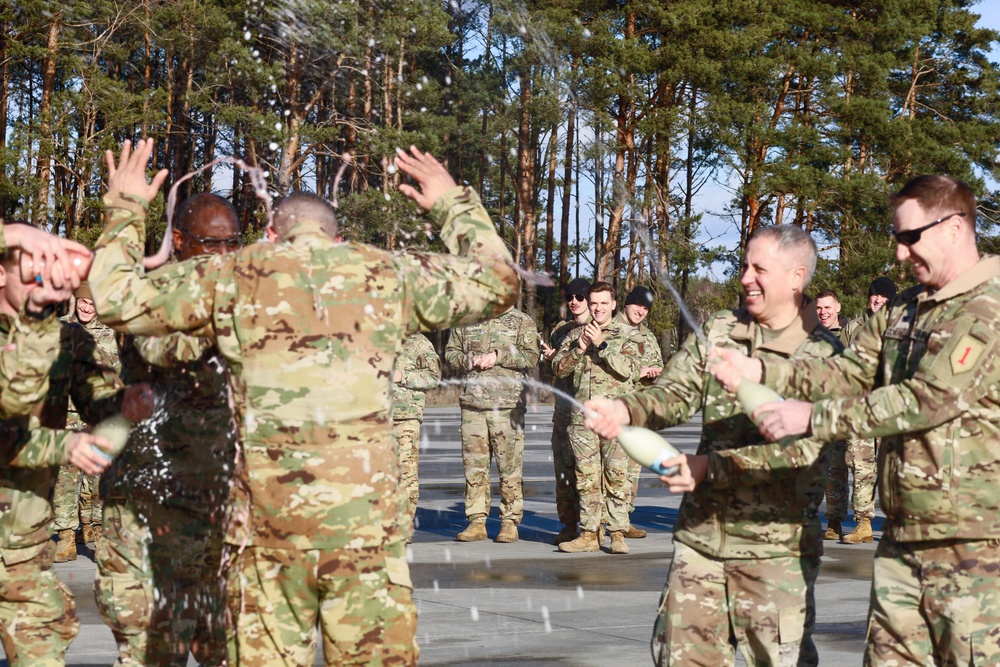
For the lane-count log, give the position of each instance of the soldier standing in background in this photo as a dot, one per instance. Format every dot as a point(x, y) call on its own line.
point(603, 360)
point(311, 329)
point(567, 497)
point(638, 303)
point(748, 541)
point(828, 311)
point(493, 357)
point(77, 499)
point(417, 369)
point(160, 585)
point(37, 613)
point(861, 453)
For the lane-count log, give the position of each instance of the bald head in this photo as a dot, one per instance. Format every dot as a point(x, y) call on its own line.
point(298, 206)
point(206, 224)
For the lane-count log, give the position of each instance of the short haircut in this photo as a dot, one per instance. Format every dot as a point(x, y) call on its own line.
point(792, 241)
point(204, 204)
point(826, 293)
point(938, 194)
point(299, 205)
point(601, 286)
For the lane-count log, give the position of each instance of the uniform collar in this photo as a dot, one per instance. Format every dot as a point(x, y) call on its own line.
point(985, 269)
point(790, 339)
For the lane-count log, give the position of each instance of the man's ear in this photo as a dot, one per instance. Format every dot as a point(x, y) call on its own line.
point(3, 277)
point(272, 235)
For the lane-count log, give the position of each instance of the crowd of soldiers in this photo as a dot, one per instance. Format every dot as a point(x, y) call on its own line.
point(269, 485)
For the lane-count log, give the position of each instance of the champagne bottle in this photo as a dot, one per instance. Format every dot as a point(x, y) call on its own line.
point(647, 448)
point(31, 267)
point(115, 430)
point(753, 394)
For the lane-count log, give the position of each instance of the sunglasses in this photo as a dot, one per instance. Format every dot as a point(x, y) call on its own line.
point(209, 243)
point(575, 297)
point(911, 236)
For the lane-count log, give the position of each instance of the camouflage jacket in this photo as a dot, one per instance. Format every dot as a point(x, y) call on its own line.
point(311, 329)
point(758, 501)
point(514, 338)
point(32, 447)
point(107, 340)
point(29, 348)
point(560, 333)
point(922, 375)
point(650, 355)
point(851, 329)
point(610, 372)
point(185, 454)
point(421, 369)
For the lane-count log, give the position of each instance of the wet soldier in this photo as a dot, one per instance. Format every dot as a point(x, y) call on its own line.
point(493, 357)
point(748, 541)
point(311, 329)
point(922, 376)
point(160, 585)
point(567, 497)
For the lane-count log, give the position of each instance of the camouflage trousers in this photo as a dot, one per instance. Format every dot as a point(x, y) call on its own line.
point(634, 470)
point(766, 606)
point(361, 599)
point(935, 603)
point(498, 434)
point(37, 613)
point(564, 463)
point(858, 456)
point(601, 480)
point(407, 434)
point(160, 585)
point(75, 499)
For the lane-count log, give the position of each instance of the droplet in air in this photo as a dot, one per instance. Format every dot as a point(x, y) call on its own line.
point(278, 126)
point(246, 35)
point(273, 145)
point(475, 613)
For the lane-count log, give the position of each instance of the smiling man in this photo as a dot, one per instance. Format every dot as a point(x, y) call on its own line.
point(747, 542)
point(922, 376)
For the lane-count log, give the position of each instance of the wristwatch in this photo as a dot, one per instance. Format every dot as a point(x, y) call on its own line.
point(603, 346)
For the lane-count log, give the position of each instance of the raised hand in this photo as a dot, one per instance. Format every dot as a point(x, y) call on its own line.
point(128, 176)
point(432, 178)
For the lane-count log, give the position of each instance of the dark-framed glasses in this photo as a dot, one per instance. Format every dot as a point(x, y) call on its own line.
point(210, 243)
point(911, 236)
point(575, 297)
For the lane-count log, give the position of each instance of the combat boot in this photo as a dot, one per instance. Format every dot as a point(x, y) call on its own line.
point(618, 545)
point(600, 535)
point(476, 531)
point(586, 542)
point(66, 546)
point(97, 530)
point(508, 531)
point(567, 534)
point(861, 534)
point(833, 530)
point(87, 534)
point(634, 533)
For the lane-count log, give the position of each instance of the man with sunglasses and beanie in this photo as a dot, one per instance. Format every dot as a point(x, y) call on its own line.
point(567, 498)
point(922, 376)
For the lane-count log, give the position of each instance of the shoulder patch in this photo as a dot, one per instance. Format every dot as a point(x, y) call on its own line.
point(965, 354)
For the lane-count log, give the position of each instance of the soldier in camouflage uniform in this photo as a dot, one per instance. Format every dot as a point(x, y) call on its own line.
point(311, 329)
point(493, 357)
point(37, 614)
point(160, 585)
point(417, 369)
point(567, 497)
point(921, 375)
point(76, 497)
point(603, 359)
point(748, 539)
point(638, 303)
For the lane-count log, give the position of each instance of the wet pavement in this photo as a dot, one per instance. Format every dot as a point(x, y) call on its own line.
point(526, 603)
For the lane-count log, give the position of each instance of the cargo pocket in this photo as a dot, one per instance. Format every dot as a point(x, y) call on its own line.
point(791, 625)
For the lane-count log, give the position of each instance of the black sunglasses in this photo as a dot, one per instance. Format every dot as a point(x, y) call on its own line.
point(911, 236)
point(232, 243)
point(575, 297)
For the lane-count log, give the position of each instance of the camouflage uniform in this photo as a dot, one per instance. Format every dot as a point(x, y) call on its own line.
point(493, 406)
point(922, 376)
point(75, 499)
point(567, 497)
point(160, 585)
point(748, 538)
point(601, 465)
point(421, 369)
point(649, 357)
point(37, 614)
point(311, 329)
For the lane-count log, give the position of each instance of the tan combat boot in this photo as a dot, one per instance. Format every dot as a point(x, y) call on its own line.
point(567, 534)
point(476, 531)
point(586, 542)
point(634, 533)
point(97, 531)
point(508, 532)
point(600, 535)
point(861, 534)
point(87, 534)
point(833, 530)
point(66, 546)
point(618, 545)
